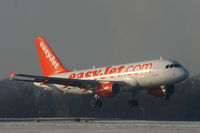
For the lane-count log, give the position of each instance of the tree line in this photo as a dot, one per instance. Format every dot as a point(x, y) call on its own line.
point(24, 100)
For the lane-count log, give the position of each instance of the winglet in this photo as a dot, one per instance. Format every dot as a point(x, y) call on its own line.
point(12, 75)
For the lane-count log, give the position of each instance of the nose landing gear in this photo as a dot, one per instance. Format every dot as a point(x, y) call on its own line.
point(170, 89)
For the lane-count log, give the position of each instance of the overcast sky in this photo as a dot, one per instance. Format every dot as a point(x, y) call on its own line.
point(99, 32)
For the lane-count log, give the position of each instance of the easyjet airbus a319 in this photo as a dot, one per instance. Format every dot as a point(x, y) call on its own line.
point(157, 77)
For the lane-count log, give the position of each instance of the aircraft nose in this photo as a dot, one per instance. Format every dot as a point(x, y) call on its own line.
point(185, 73)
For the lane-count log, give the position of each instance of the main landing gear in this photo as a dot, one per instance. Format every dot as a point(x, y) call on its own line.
point(96, 102)
point(133, 102)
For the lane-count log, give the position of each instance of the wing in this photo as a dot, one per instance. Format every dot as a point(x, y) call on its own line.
point(53, 80)
point(81, 83)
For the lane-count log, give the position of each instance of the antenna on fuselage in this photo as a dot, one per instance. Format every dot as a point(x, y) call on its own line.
point(161, 58)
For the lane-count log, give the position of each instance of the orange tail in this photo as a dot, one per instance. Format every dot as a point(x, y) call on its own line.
point(49, 62)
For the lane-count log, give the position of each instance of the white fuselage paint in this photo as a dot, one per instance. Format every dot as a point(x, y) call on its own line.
point(141, 75)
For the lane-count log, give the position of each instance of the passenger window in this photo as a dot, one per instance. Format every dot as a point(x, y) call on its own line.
point(167, 66)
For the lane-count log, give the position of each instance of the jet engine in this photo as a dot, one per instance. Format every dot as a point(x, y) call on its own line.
point(108, 89)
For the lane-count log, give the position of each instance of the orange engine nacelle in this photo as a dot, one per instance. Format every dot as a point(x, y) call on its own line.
point(108, 89)
point(158, 92)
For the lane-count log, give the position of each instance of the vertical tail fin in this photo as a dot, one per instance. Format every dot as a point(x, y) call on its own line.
point(50, 64)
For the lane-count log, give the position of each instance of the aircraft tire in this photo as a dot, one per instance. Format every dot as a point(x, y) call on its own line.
point(94, 103)
point(99, 103)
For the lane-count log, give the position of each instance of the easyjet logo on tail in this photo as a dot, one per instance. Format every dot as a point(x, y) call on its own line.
point(49, 56)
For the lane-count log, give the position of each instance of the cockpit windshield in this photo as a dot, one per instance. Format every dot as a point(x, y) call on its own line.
point(172, 65)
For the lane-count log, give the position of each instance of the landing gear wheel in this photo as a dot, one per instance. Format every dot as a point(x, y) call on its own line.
point(133, 103)
point(94, 103)
point(99, 103)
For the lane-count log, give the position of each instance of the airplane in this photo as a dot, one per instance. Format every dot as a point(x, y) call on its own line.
point(157, 77)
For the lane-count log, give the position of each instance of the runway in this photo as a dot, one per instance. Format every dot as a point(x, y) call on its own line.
point(99, 126)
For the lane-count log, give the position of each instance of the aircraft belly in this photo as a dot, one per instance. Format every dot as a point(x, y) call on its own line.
point(147, 81)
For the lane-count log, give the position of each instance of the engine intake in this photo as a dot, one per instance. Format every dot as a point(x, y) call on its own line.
point(108, 89)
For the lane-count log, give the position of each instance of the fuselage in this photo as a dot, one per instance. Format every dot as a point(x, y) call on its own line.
point(136, 76)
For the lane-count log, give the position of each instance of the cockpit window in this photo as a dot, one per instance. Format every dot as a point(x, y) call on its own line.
point(177, 65)
point(172, 65)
